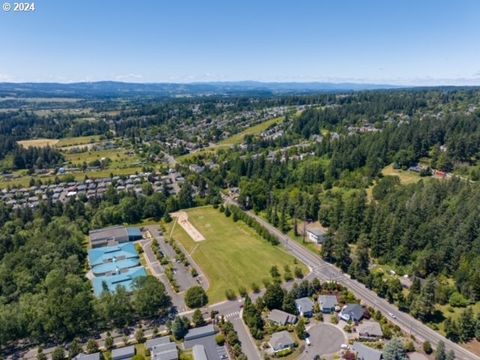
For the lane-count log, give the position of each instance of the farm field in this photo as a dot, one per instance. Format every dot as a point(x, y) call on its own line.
point(38, 143)
point(232, 255)
point(119, 157)
point(406, 177)
point(80, 140)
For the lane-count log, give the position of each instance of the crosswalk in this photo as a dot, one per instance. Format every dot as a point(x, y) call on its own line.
point(232, 315)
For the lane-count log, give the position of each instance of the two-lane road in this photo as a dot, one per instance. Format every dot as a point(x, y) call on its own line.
point(328, 272)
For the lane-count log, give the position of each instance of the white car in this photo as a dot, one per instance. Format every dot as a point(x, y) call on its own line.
point(392, 315)
point(344, 347)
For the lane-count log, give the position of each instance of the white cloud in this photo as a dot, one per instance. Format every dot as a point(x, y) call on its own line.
point(128, 77)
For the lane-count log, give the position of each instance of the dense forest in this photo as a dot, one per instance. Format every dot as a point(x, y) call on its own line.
point(44, 294)
point(428, 230)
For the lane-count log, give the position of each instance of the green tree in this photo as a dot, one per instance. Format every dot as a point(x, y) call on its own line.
point(196, 297)
point(300, 329)
point(273, 297)
point(109, 342)
point(75, 348)
point(92, 346)
point(440, 351)
point(58, 354)
point(394, 350)
point(150, 297)
point(180, 327)
point(197, 318)
point(139, 336)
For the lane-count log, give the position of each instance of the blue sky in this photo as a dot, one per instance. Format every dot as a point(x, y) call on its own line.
point(383, 41)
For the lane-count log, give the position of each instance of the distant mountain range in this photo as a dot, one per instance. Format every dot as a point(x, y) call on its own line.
point(122, 89)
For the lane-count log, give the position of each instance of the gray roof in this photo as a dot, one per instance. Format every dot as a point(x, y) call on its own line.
point(355, 311)
point(200, 332)
point(304, 304)
point(316, 231)
point(281, 339)
point(366, 353)
point(123, 353)
point(157, 341)
point(109, 233)
point(166, 351)
point(95, 356)
point(370, 328)
point(199, 352)
point(281, 317)
point(327, 301)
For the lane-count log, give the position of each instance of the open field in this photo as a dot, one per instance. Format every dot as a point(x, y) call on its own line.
point(38, 143)
point(406, 177)
point(120, 157)
point(232, 255)
point(80, 140)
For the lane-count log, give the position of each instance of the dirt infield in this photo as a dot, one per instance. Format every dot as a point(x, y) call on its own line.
point(182, 219)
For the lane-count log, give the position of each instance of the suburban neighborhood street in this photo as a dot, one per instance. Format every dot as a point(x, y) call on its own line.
point(328, 272)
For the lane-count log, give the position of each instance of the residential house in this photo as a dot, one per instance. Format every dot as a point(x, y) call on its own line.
point(327, 303)
point(304, 306)
point(315, 233)
point(352, 312)
point(282, 318)
point(281, 341)
point(369, 330)
point(364, 352)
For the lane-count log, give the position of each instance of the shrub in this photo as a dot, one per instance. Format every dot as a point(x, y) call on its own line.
point(298, 272)
point(427, 347)
point(220, 339)
point(457, 300)
point(255, 288)
point(242, 291)
point(230, 294)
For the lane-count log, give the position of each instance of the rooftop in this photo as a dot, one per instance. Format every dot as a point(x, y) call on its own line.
point(199, 352)
point(281, 339)
point(109, 253)
point(200, 331)
point(124, 279)
point(305, 304)
point(281, 317)
point(157, 341)
point(366, 353)
point(327, 301)
point(123, 352)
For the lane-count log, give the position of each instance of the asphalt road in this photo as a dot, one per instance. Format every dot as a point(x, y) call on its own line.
point(328, 272)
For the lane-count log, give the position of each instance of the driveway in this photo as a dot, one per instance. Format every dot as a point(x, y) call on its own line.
point(326, 339)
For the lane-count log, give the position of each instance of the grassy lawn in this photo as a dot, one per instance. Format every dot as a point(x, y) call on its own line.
point(232, 255)
point(406, 177)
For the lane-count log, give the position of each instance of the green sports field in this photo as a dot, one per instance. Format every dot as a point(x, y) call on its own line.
point(232, 255)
